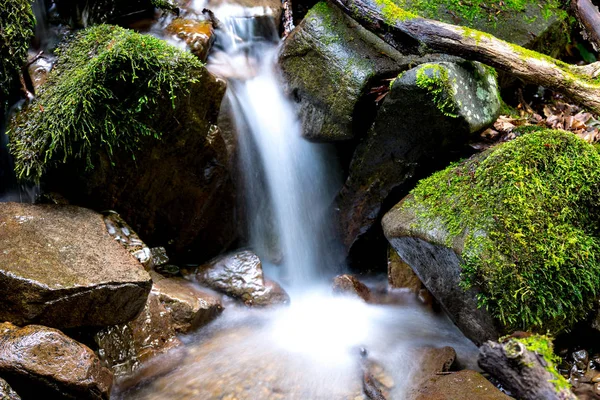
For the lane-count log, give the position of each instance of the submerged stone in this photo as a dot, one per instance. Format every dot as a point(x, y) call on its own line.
point(431, 110)
point(349, 285)
point(126, 122)
point(37, 360)
point(59, 267)
point(506, 240)
point(197, 35)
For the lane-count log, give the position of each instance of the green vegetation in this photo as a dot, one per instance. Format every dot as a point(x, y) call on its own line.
point(16, 30)
point(435, 80)
point(542, 345)
point(528, 213)
point(110, 88)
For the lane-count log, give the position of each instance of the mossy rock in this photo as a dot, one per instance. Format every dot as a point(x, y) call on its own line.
point(127, 122)
point(430, 111)
point(16, 30)
point(541, 25)
point(507, 240)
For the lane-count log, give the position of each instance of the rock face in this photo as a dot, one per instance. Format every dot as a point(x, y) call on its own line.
point(400, 274)
point(165, 172)
point(35, 360)
point(127, 347)
point(6, 392)
point(59, 267)
point(189, 307)
point(498, 224)
point(240, 275)
point(429, 111)
point(350, 285)
point(461, 385)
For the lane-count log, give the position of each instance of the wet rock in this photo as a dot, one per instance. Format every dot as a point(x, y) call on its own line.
point(159, 256)
point(6, 392)
point(126, 348)
point(36, 359)
point(122, 233)
point(330, 63)
point(581, 359)
point(197, 35)
point(166, 171)
point(400, 274)
point(350, 285)
point(430, 111)
point(59, 267)
point(461, 385)
point(240, 275)
point(189, 307)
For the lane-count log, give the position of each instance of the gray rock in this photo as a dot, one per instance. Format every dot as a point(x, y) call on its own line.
point(59, 267)
point(430, 110)
point(38, 360)
point(6, 392)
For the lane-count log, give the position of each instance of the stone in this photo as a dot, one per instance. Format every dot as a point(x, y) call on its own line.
point(461, 385)
point(128, 238)
point(127, 348)
point(6, 392)
point(400, 274)
point(189, 306)
point(59, 267)
point(197, 35)
point(240, 276)
point(349, 285)
point(431, 110)
point(433, 361)
point(36, 359)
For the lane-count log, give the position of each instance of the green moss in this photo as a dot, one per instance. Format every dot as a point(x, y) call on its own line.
point(165, 5)
point(393, 13)
point(110, 87)
point(16, 30)
point(542, 345)
point(528, 213)
point(435, 80)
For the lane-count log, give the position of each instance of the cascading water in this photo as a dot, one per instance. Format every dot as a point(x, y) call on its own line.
point(308, 350)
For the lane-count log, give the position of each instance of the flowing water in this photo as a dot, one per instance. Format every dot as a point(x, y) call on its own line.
point(310, 349)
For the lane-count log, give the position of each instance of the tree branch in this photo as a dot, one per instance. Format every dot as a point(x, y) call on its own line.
point(588, 16)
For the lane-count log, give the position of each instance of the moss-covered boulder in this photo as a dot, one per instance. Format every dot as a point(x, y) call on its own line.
point(126, 122)
point(507, 240)
point(537, 24)
point(329, 63)
point(16, 30)
point(430, 110)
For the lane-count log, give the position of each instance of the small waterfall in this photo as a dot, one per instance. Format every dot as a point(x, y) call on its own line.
point(276, 162)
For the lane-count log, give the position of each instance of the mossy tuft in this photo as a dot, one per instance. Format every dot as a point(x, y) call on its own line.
point(528, 213)
point(16, 30)
point(435, 80)
point(110, 87)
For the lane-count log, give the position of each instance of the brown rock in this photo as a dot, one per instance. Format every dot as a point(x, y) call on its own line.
point(433, 361)
point(189, 307)
point(36, 359)
point(240, 275)
point(350, 285)
point(126, 347)
point(400, 274)
point(198, 35)
point(461, 385)
point(59, 267)
point(6, 392)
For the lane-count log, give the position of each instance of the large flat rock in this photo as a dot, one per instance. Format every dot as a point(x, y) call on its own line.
point(59, 267)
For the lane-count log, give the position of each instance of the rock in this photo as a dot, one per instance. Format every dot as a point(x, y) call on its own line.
point(36, 359)
point(189, 307)
point(330, 63)
point(197, 35)
point(430, 111)
point(128, 347)
point(400, 274)
point(122, 233)
point(6, 392)
point(159, 256)
point(461, 385)
point(59, 267)
point(497, 224)
point(240, 275)
point(350, 285)
point(165, 172)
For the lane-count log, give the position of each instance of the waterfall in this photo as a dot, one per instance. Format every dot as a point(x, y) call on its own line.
point(287, 183)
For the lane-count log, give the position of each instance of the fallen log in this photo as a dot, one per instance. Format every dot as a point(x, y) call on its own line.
point(589, 18)
point(410, 33)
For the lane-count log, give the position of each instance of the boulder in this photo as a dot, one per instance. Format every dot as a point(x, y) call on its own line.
point(189, 306)
point(59, 267)
point(350, 285)
point(6, 392)
point(240, 276)
point(496, 236)
point(432, 362)
point(126, 122)
point(127, 348)
point(197, 35)
point(36, 359)
point(431, 110)
point(329, 63)
point(461, 385)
